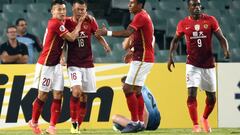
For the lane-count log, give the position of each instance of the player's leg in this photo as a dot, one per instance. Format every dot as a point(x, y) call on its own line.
point(119, 122)
point(209, 85)
point(57, 86)
point(42, 81)
point(88, 86)
point(134, 81)
point(210, 103)
point(75, 76)
point(37, 110)
point(192, 108)
point(82, 108)
point(193, 80)
point(140, 107)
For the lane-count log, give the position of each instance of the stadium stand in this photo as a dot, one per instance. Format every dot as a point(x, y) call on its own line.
point(115, 15)
point(22, 1)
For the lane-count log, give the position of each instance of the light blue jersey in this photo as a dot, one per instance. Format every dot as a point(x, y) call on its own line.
point(154, 117)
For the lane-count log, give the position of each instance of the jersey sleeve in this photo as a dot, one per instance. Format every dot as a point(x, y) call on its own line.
point(94, 25)
point(215, 25)
point(58, 27)
point(137, 22)
point(179, 31)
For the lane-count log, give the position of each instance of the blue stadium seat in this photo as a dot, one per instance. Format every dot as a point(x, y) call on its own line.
point(215, 4)
point(235, 57)
point(162, 55)
point(171, 5)
point(38, 8)
point(3, 2)
point(11, 17)
point(116, 28)
point(235, 4)
point(44, 1)
point(102, 21)
point(22, 1)
point(120, 4)
point(213, 12)
point(180, 58)
point(12, 8)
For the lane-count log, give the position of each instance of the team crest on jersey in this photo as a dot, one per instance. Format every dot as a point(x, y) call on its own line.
point(197, 27)
point(85, 26)
point(62, 28)
point(205, 26)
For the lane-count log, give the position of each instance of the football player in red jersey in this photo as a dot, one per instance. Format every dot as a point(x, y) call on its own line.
point(80, 62)
point(198, 29)
point(142, 35)
point(49, 75)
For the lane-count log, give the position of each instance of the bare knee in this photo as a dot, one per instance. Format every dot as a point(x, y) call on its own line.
point(43, 96)
point(76, 91)
point(57, 94)
point(127, 88)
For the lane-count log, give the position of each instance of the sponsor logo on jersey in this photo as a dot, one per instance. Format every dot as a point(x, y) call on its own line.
point(205, 26)
point(197, 27)
point(62, 28)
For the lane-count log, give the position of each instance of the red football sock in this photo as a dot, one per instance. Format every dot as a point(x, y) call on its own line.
point(37, 110)
point(209, 107)
point(192, 108)
point(74, 102)
point(140, 106)
point(132, 103)
point(82, 109)
point(55, 111)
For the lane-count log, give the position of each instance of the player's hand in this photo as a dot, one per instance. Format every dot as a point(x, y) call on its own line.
point(226, 55)
point(63, 61)
point(170, 62)
point(128, 57)
point(4, 54)
point(107, 49)
point(82, 18)
point(102, 31)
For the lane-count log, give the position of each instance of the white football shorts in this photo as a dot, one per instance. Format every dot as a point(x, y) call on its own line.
point(85, 77)
point(138, 72)
point(203, 78)
point(48, 78)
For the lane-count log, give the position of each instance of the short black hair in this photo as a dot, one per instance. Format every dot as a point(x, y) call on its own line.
point(18, 20)
point(10, 26)
point(142, 2)
point(79, 1)
point(55, 2)
point(123, 79)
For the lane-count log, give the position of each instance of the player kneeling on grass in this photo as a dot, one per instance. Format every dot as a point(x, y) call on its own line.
point(151, 115)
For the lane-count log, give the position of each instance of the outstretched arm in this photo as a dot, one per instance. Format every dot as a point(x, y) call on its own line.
point(173, 48)
point(223, 42)
point(123, 33)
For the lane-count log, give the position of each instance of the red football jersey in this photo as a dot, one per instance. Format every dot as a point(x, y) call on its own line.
point(80, 51)
point(52, 43)
point(198, 35)
point(143, 37)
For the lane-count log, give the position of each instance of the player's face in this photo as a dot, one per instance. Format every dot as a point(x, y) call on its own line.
point(79, 10)
point(133, 6)
point(194, 7)
point(22, 26)
point(59, 11)
point(12, 33)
